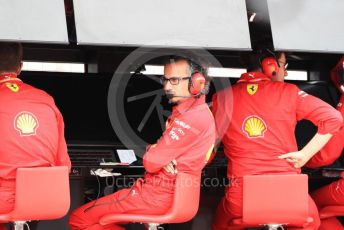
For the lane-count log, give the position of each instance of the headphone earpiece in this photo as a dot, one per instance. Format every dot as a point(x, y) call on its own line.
point(197, 84)
point(270, 66)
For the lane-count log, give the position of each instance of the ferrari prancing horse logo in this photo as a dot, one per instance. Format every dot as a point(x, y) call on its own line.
point(12, 86)
point(252, 88)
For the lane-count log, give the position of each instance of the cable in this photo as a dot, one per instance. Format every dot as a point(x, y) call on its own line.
point(111, 202)
point(193, 103)
point(98, 195)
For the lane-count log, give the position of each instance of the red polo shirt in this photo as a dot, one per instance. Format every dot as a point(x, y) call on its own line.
point(263, 119)
point(189, 139)
point(32, 128)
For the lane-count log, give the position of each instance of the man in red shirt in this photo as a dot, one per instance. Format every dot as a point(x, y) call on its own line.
point(32, 128)
point(259, 139)
point(332, 194)
point(184, 147)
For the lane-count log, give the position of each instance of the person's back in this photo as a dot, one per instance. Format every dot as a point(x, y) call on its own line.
point(263, 124)
point(259, 138)
point(32, 128)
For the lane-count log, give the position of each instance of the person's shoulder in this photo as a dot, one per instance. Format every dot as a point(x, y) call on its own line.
point(284, 86)
point(38, 92)
point(200, 115)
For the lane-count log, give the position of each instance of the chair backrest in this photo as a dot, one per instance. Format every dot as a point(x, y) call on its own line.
point(42, 193)
point(186, 198)
point(275, 199)
point(184, 207)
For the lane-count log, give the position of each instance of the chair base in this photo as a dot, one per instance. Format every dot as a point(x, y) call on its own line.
point(153, 226)
point(274, 226)
point(19, 225)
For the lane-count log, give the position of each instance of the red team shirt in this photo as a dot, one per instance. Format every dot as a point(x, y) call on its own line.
point(259, 132)
point(189, 139)
point(32, 129)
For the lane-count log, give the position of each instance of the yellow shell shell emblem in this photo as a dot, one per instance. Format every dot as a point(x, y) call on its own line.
point(254, 126)
point(210, 151)
point(12, 86)
point(26, 123)
point(252, 88)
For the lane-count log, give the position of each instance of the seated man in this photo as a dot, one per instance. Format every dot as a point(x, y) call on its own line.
point(184, 147)
point(332, 194)
point(32, 128)
point(259, 138)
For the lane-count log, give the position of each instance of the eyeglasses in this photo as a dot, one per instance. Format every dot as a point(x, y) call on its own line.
point(285, 64)
point(172, 80)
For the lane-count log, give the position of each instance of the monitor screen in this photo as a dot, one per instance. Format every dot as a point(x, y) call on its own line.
point(82, 102)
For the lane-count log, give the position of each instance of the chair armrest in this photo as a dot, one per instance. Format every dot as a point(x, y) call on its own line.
point(332, 210)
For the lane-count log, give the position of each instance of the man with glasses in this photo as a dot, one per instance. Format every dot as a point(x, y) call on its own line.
point(259, 138)
point(184, 146)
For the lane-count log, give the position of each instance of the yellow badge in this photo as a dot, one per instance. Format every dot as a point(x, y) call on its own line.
point(26, 123)
point(252, 88)
point(209, 153)
point(12, 86)
point(254, 126)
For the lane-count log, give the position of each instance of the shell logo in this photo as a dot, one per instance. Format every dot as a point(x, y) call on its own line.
point(254, 127)
point(26, 123)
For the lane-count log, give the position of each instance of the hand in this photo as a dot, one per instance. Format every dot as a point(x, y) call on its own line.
point(297, 159)
point(171, 167)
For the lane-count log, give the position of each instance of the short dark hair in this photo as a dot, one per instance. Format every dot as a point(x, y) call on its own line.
point(11, 55)
point(252, 61)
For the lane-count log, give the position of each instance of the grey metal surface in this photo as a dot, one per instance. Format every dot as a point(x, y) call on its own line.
point(33, 21)
point(193, 23)
point(307, 25)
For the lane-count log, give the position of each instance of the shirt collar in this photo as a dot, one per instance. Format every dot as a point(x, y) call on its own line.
point(188, 103)
point(253, 77)
point(5, 77)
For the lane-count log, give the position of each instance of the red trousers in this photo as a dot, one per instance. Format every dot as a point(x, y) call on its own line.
point(124, 201)
point(230, 207)
point(6, 197)
point(332, 194)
